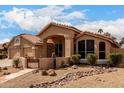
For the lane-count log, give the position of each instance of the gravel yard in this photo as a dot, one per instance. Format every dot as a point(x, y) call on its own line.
point(112, 79)
point(9, 70)
point(7, 63)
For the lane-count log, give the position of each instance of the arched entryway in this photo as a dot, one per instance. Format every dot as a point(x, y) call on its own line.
point(55, 43)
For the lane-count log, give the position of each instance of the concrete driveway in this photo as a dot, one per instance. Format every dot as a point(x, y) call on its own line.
point(5, 62)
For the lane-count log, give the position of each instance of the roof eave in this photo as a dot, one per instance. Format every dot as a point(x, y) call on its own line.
point(55, 24)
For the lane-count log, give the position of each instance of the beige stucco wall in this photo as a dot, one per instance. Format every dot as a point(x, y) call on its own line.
point(96, 40)
point(55, 30)
point(24, 49)
point(121, 51)
point(59, 31)
point(44, 63)
point(38, 51)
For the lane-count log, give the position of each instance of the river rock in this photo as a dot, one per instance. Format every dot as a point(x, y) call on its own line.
point(51, 72)
point(44, 73)
point(74, 67)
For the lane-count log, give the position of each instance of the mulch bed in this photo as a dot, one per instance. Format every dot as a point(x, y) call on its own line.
point(73, 76)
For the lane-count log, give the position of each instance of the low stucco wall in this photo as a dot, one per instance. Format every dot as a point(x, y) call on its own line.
point(22, 62)
point(121, 51)
point(44, 63)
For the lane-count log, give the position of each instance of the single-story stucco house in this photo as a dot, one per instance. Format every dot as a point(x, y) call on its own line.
point(62, 39)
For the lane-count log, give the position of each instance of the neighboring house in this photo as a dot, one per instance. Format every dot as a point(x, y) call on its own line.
point(63, 40)
point(3, 50)
point(24, 45)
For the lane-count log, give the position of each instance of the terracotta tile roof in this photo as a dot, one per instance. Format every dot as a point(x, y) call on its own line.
point(60, 25)
point(32, 38)
point(66, 26)
point(99, 36)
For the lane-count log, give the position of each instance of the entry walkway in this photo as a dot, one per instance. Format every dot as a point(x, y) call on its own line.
point(14, 75)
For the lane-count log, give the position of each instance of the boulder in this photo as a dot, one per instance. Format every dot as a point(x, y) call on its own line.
point(51, 72)
point(31, 86)
point(6, 73)
point(35, 71)
point(44, 73)
point(115, 69)
point(74, 67)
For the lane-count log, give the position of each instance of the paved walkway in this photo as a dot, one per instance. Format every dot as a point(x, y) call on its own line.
point(5, 62)
point(14, 75)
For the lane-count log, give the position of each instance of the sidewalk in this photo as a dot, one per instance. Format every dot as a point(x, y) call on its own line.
point(14, 75)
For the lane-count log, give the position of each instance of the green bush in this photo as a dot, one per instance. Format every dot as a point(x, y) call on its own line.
point(114, 59)
point(16, 62)
point(75, 59)
point(91, 59)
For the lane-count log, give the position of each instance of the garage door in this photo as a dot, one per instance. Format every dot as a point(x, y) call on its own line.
point(14, 52)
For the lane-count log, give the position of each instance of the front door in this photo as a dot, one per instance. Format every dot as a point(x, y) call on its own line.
point(58, 49)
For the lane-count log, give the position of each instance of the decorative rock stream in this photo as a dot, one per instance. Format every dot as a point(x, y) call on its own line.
point(73, 76)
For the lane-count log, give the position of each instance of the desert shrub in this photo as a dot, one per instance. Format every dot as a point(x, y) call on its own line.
point(0, 56)
point(3, 56)
point(75, 59)
point(114, 59)
point(0, 69)
point(5, 68)
point(70, 61)
point(63, 64)
point(16, 62)
point(91, 59)
point(6, 73)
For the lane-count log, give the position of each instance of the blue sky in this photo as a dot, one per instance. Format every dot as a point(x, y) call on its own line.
point(31, 19)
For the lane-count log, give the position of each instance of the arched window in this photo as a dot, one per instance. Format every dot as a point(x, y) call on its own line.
point(17, 41)
point(102, 48)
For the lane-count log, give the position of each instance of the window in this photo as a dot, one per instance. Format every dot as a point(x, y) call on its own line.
point(17, 41)
point(90, 46)
point(81, 48)
point(102, 50)
point(74, 48)
point(85, 47)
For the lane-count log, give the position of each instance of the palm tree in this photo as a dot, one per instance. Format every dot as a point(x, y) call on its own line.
point(107, 34)
point(122, 41)
point(100, 31)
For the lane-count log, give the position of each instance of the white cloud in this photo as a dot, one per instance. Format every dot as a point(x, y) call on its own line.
point(73, 16)
point(115, 27)
point(35, 19)
point(4, 40)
